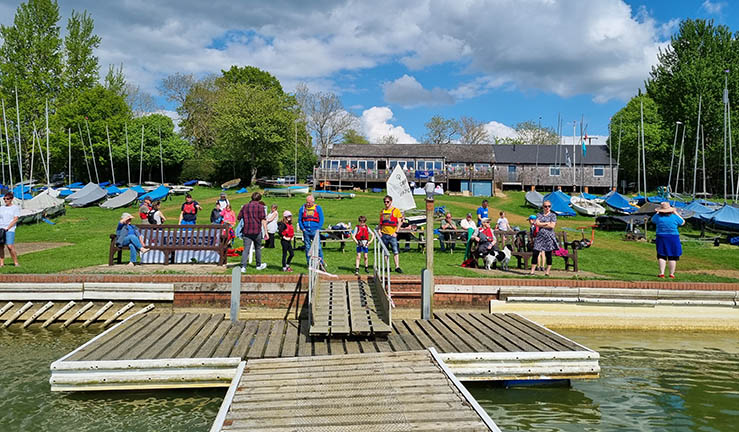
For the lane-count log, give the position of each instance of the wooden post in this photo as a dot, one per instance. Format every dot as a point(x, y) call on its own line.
point(235, 293)
point(427, 275)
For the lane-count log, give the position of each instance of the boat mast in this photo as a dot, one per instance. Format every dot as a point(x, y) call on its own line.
point(128, 159)
point(7, 143)
point(110, 153)
point(672, 158)
point(731, 156)
point(574, 165)
point(84, 152)
point(538, 141)
point(638, 160)
point(18, 148)
point(69, 152)
point(610, 154)
point(141, 154)
point(33, 153)
point(48, 157)
point(643, 148)
point(92, 151)
point(161, 162)
point(703, 156)
point(680, 160)
point(618, 155)
point(41, 154)
point(697, 144)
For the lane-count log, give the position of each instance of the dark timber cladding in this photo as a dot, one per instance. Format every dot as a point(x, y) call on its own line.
point(370, 392)
point(192, 335)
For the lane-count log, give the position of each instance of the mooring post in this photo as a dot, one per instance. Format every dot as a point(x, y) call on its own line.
point(427, 274)
point(235, 293)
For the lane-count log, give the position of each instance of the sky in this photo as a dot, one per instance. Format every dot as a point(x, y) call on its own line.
point(397, 64)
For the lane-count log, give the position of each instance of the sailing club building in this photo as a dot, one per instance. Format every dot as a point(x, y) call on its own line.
point(474, 168)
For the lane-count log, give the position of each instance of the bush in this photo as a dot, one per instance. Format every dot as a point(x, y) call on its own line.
point(200, 169)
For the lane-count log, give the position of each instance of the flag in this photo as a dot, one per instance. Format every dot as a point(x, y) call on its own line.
point(584, 149)
point(567, 158)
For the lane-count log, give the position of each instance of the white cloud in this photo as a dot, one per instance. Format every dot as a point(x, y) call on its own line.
point(408, 92)
point(375, 125)
point(713, 7)
point(567, 47)
point(499, 130)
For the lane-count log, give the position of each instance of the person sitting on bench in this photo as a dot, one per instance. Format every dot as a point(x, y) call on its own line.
point(128, 235)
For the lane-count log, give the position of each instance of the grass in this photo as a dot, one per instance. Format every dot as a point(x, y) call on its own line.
point(88, 231)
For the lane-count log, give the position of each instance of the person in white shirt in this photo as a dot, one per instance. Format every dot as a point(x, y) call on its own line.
point(468, 222)
point(9, 214)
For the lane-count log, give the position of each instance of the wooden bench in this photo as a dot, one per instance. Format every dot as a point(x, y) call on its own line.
point(171, 244)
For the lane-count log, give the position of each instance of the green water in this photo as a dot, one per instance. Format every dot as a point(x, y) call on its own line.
point(651, 381)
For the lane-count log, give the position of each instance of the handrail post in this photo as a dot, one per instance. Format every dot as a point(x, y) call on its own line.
point(235, 293)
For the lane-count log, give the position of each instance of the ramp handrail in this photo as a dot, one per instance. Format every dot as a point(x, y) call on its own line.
point(314, 263)
point(381, 262)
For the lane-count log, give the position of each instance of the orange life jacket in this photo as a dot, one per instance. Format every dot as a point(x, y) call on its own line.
point(387, 217)
point(310, 214)
point(362, 232)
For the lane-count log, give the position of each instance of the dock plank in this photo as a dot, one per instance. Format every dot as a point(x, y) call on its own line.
point(497, 333)
point(290, 346)
point(118, 332)
point(120, 350)
point(260, 340)
point(211, 344)
point(567, 344)
point(201, 336)
point(245, 339)
point(229, 341)
point(274, 341)
point(514, 336)
point(176, 345)
point(151, 340)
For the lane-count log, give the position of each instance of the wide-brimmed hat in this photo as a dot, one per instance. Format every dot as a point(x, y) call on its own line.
point(484, 220)
point(126, 216)
point(665, 207)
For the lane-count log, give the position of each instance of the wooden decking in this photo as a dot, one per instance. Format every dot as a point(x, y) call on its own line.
point(367, 392)
point(476, 346)
point(348, 307)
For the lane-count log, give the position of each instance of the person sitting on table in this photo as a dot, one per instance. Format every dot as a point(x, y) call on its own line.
point(446, 239)
point(485, 239)
point(468, 222)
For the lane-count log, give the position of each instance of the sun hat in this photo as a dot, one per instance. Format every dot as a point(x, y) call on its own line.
point(286, 213)
point(665, 207)
point(532, 217)
point(485, 220)
point(126, 216)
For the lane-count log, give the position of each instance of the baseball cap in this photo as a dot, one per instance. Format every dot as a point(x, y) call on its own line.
point(286, 213)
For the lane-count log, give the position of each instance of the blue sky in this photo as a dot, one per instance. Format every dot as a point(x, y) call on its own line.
point(397, 64)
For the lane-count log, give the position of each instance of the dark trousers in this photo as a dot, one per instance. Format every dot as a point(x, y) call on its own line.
point(270, 243)
point(287, 252)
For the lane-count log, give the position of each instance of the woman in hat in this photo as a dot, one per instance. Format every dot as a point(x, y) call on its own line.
point(128, 235)
point(669, 248)
point(545, 240)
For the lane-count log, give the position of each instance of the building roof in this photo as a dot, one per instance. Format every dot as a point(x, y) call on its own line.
point(450, 152)
point(482, 153)
point(550, 154)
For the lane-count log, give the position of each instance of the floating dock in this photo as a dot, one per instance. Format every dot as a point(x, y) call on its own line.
point(151, 351)
point(402, 391)
point(349, 307)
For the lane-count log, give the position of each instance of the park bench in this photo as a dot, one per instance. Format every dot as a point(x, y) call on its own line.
point(178, 244)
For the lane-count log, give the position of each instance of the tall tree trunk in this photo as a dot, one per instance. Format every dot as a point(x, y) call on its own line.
point(253, 175)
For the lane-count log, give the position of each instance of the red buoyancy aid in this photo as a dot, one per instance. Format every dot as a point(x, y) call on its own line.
point(189, 208)
point(387, 217)
point(289, 231)
point(488, 232)
point(310, 214)
point(362, 232)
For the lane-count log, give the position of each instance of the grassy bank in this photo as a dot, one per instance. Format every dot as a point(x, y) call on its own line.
point(87, 231)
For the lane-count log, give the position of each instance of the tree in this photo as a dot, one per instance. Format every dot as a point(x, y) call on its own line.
point(531, 133)
point(472, 131)
point(388, 140)
point(690, 67)
point(81, 68)
point(351, 136)
point(139, 101)
point(440, 130)
point(176, 87)
point(115, 80)
point(326, 118)
point(252, 125)
point(252, 76)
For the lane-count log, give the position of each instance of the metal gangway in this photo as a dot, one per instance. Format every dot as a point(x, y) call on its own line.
point(349, 307)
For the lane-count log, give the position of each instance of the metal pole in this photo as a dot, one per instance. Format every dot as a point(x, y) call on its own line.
point(731, 155)
point(295, 125)
point(19, 147)
point(672, 159)
point(638, 159)
point(679, 161)
point(48, 157)
point(92, 151)
point(697, 143)
point(703, 156)
point(161, 162)
point(128, 159)
point(427, 275)
point(84, 152)
point(538, 141)
point(110, 153)
point(141, 153)
point(610, 155)
point(618, 153)
point(7, 143)
point(726, 108)
point(574, 165)
point(643, 148)
point(69, 152)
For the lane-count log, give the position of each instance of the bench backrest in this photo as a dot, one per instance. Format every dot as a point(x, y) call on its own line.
point(182, 237)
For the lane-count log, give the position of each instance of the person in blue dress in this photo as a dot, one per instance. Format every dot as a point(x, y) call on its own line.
point(669, 248)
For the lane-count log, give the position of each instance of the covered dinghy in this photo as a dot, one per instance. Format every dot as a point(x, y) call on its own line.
point(93, 195)
point(45, 204)
point(159, 193)
point(560, 203)
point(84, 191)
point(121, 200)
point(534, 199)
point(726, 219)
point(619, 204)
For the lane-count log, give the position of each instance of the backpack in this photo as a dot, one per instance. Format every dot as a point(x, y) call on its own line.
point(150, 217)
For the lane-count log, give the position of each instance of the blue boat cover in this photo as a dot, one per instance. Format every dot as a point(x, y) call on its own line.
point(75, 185)
point(640, 199)
point(190, 183)
point(139, 190)
point(65, 193)
point(727, 217)
point(560, 203)
point(104, 184)
point(589, 196)
point(242, 190)
point(112, 190)
point(424, 174)
point(619, 202)
point(698, 208)
point(159, 193)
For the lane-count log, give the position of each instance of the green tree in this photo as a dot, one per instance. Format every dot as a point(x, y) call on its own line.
point(115, 80)
point(351, 136)
point(252, 76)
point(441, 131)
point(530, 132)
point(81, 68)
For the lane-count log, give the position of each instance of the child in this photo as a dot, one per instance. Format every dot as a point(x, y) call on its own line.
point(287, 232)
point(502, 225)
point(362, 237)
point(155, 216)
point(215, 215)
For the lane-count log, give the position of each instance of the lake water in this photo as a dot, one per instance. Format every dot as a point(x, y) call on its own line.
point(649, 381)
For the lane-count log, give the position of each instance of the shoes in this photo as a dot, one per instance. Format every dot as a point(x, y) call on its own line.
point(289, 269)
point(366, 269)
point(672, 276)
point(661, 276)
point(356, 271)
point(131, 264)
point(243, 269)
point(144, 250)
point(262, 266)
point(398, 270)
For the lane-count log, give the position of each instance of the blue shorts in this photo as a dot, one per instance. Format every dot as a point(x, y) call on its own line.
point(9, 237)
point(184, 222)
point(390, 242)
point(362, 249)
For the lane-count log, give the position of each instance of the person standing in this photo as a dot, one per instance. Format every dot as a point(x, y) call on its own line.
point(669, 248)
point(155, 215)
point(272, 220)
point(482, 212)
point(223, 201)
point(363, 237)
point(255, 226)
point(189, 211)
point(144, 210)
point(287, 234)
point(310, 221)
point(9, 214)
point(545, 240)
point(128, 235)
point(390, 220)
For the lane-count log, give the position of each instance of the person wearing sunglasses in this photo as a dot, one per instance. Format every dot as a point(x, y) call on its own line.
point(545, 240)
point(9, 214)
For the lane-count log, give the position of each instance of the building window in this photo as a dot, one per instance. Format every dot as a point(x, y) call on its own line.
point(482, 167)
point(392, 164)
point(599, 171)
point(554, 171)
point(437, 165)
point(511, 169)
point(344, 164)
point(334, 165)
point(362, 165)
point(421, 165)
point(371, 164)
point(410, 165)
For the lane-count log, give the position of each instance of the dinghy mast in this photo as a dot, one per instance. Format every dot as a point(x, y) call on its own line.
point(92, 151)
point(7, 143)
point(110, 153)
